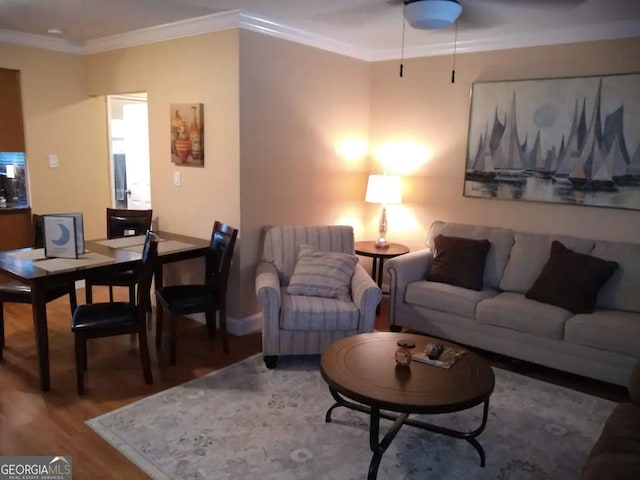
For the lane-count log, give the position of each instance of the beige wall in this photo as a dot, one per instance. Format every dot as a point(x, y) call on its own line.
point(200, 69)
point(59, 118)
point(287, 128)
point(426, 112)
point(304, 122)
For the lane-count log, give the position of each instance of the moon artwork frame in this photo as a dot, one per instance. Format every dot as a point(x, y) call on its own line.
point(61, 237)
point(567, 140)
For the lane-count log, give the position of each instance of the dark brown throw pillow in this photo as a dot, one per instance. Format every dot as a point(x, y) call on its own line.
point(458, 261)
point(571, 280)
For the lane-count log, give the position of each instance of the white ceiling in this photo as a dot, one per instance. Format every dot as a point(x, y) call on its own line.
point(369, 29)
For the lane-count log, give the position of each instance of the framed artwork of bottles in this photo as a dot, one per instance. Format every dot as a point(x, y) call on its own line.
point(187, 134)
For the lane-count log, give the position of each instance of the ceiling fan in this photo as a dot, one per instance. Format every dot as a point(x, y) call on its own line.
point(438, 14)
point(432, 14)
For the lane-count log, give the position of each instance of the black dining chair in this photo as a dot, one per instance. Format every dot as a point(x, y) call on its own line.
point(16, 292)
point(121, 223)
point(118, 318)
point(209, 297)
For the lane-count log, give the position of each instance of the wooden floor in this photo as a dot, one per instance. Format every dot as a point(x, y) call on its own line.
point(52, 423)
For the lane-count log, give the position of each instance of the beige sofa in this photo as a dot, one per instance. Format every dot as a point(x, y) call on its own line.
point(604, 345)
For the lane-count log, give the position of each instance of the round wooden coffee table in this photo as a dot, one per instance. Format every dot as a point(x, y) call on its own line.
point(362, 368)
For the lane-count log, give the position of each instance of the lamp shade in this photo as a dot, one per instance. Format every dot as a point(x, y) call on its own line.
point(432, 14)
point(384, 189)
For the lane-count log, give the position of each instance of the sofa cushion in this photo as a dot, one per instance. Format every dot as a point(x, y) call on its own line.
point(458, 261)
point(571, 280)
point(528, 256)
point(611, 330)
point(621, 291)
point(322, 274)
point(501, 241)
point(445, 297)
point(514, 311)
point(317, 313)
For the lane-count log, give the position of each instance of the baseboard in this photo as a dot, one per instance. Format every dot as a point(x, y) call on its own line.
point(236, 326)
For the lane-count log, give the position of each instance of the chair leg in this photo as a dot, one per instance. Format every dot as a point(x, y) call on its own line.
point(85, 356)
point(159, 317)
point(173, 333)
point(73, 297)
point(211, 323)
point(223, 328)
point(88, 292)
point(144, 355)
point(111, 294)
point(81, 358)
point(132, 294)
point(1, 329)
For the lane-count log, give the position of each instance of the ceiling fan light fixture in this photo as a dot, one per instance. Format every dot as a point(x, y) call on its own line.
point(432, 14)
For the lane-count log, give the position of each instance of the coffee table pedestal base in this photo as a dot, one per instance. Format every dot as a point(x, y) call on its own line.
point(378, 447)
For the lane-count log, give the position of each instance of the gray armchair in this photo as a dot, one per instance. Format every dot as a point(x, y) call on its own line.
point(296, 324)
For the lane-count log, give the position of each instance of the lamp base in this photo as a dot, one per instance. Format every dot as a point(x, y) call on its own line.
point(382, 243)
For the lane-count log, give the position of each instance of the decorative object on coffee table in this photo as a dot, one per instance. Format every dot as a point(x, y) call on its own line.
point(404, 354)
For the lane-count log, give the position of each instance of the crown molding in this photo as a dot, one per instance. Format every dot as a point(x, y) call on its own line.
point(237, 19)
point(169, 31)
point(602, 31)
point(275, 29)
point(39, 41)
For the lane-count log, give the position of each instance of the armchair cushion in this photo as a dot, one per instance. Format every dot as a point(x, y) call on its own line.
point(322, 274)
point(300, 312)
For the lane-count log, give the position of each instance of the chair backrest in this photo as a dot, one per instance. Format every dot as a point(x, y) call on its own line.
point(145, 272)
point(123, 222)
point(281, 244)
point(37, 225)
point(218, 263)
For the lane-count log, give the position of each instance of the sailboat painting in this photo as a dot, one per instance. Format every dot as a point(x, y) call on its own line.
point(562, 140)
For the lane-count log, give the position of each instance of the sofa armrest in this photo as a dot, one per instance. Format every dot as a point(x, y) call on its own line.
point(366, 296)
point(403, 270)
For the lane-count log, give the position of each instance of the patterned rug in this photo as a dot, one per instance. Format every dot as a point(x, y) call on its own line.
point(247, 422)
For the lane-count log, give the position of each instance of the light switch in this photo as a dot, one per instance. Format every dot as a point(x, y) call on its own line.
point(53, 160)
point(176, 179)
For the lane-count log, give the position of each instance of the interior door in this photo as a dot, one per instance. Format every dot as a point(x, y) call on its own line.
point(136, 151)
point(129, 151)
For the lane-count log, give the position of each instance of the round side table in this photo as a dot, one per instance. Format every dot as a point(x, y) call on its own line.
point(369, 249)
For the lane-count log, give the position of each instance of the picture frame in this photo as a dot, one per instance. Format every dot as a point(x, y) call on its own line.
point(63, 235)
point(569, 140)
point(187, 134)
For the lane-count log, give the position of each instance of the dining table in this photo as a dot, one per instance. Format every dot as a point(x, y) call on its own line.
point(31, 267)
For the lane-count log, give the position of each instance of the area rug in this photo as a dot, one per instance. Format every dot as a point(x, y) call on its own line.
point(246, 422)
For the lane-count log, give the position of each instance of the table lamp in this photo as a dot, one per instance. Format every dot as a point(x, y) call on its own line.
point(385, 190)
